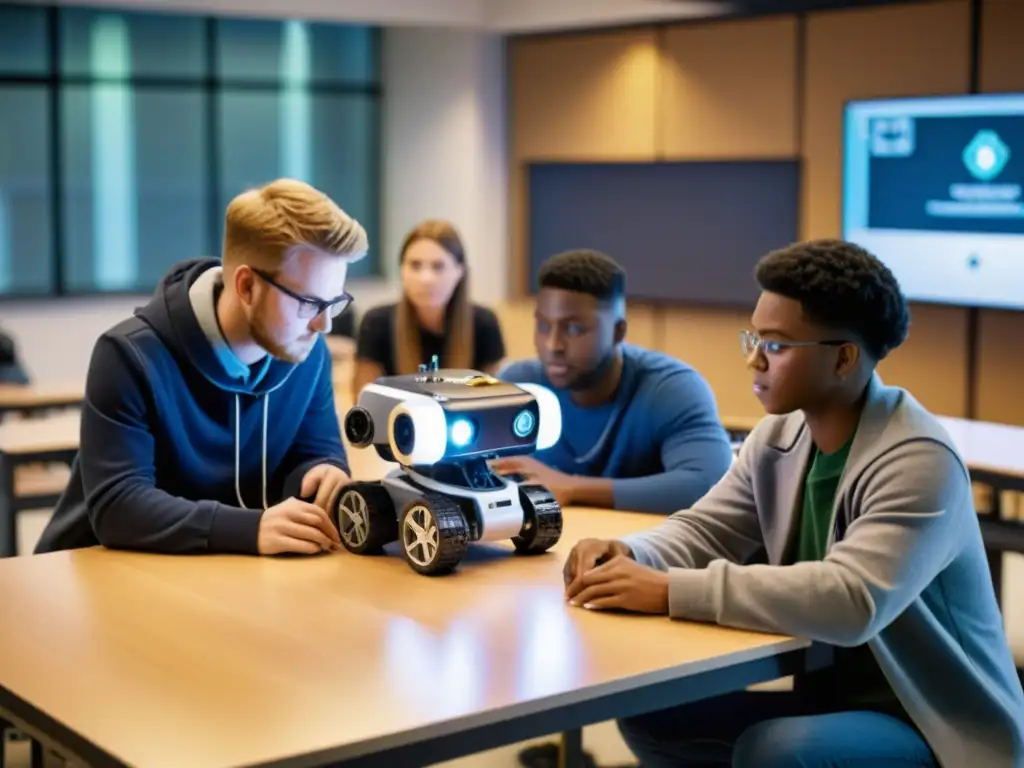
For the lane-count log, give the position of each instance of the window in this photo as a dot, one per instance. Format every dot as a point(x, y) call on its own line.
point(26, 194)
point(134, 192)
point(24, 42)
point(125, 135)
point(321, 138)
point(313, 91)
point(105, 44)
point(257, 51)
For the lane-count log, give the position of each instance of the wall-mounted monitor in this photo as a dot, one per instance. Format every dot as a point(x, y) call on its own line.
point(934, 186)
point(686, 232)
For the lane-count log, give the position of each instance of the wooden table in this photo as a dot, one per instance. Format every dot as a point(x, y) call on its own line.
point(45, 439)
point(992, 451)
point(39, 397)
point(147, 660)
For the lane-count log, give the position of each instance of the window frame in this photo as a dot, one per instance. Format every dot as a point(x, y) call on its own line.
point(211, 86)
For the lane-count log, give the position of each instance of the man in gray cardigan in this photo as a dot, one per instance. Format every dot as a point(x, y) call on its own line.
point(847, 519)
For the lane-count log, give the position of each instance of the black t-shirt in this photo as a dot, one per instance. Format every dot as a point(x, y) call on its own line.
point(376, 339)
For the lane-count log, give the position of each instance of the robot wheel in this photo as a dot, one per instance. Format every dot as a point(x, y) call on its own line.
point(366, 518)
point(434, 534)
point(542, 527)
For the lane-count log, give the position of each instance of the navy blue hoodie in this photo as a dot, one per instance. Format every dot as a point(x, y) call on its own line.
point(175, 455)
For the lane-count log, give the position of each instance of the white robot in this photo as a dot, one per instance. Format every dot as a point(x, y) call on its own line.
point(442, 427)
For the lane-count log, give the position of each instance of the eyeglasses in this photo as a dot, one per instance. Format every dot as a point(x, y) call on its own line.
point(750, 341)
point(309, 306)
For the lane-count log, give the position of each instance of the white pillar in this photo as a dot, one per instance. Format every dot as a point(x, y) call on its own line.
point(445, 146)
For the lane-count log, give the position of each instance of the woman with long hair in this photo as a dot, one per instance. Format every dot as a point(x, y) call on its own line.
point(434, 316)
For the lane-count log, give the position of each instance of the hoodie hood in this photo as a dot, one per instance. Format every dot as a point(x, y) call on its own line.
point(172, 317)
point(170, 314)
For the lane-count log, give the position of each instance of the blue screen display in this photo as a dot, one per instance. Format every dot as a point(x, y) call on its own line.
point(935, 188)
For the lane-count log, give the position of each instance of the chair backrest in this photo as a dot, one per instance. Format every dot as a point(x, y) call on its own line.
point(11, 369)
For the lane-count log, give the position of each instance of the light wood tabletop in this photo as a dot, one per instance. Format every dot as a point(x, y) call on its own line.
point(987, 446)
point(14, 397)
point(58, 432)
point(213, 661)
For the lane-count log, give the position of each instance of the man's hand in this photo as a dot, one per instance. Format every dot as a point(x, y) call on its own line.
point(621, 584)
point(326, 481)
point(590, 553)
point(534, 471)
point(296, 526)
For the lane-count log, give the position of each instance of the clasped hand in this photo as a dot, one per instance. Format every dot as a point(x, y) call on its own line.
point(301, 527)
point(601, 574)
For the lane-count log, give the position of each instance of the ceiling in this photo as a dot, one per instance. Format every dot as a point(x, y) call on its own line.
point(506, 16)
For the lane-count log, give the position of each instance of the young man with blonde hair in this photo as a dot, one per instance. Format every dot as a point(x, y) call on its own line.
point(209, 422)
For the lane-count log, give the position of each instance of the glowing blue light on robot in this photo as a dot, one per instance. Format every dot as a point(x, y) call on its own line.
point(461, 432)
point(523, 424)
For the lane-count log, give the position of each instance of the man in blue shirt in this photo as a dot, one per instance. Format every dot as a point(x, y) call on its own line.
point(209, 423)
point(640, 429)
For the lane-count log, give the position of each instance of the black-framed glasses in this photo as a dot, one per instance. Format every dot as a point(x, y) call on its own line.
point(309, 306)
point(750, 341)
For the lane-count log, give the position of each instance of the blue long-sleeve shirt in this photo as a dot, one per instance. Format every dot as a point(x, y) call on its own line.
point(660, 438)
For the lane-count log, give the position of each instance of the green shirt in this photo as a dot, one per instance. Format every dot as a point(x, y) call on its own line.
point(819, 496)
point(855, 680)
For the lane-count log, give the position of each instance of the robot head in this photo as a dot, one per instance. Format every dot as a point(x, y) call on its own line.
point(447, 416)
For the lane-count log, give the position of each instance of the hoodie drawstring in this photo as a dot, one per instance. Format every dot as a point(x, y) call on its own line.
point(263, 449)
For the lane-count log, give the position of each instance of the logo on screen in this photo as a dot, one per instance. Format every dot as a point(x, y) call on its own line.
point(892, 137)
point(986, 155)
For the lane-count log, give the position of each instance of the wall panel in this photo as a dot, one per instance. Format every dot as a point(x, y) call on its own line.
point(903, 50)
point(932, 362)
point(587, 97)
point(708, 339)
point(583, 97)
point(881, 52)
point(1000, 366)
point(710, 104)
point(1001, 59)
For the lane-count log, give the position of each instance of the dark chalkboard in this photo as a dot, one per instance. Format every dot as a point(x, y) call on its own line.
point(687, 232)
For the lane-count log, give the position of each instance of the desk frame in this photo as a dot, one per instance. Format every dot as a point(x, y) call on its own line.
point(45, 404)
point(998, 534)
point(11, 504)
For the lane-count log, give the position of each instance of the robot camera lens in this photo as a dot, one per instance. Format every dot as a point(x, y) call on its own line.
point(524, 423)
point(405, 433)
point(359, 426)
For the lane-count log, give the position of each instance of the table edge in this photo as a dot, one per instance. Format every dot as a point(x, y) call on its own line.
point(48, 728)
point(370, 750)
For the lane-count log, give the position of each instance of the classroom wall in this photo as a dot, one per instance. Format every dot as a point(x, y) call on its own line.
point(445, 149)
point(1001, 372)
point(768, 87)
point(444, 155)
